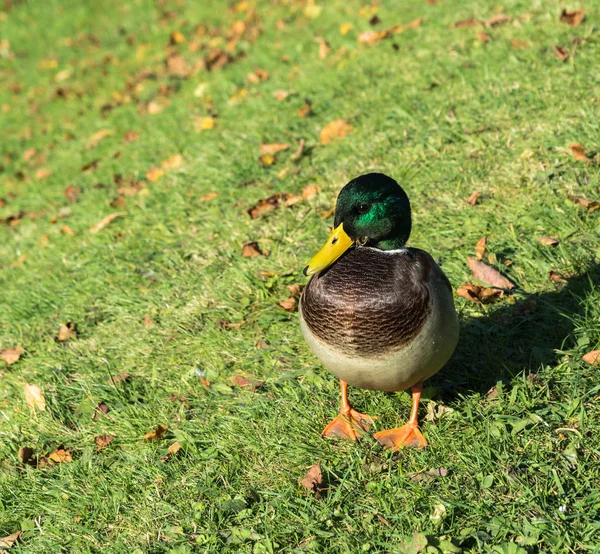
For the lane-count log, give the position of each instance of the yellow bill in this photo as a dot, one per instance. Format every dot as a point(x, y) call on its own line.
point(337, 243)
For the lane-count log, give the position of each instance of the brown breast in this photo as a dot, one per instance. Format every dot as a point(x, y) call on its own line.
point(369, 301)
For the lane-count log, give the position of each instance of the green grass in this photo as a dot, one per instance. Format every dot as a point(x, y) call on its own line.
point(436, 108)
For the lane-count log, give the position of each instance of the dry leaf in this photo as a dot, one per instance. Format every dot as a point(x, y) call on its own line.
point(120, 378)
point(174, 448)
point(19, 261)
point(373, 37)
point(579, 152)
point(289, 304)
point(66, 230)
point(324, 47)
point(177, 66)
point(479, 294)
point(72, 193)
point(172, 162)
point(42, 173)
point(488, 274)
point(25, 454)
point(205, 382)
point(556, 277)
point(130, 136)
point(560, 52)
point(176, 38)
point(273, 202)
point(34, 397)
point(103, 441)
point(468, 23)
point(28, 154)
point(208, 197)
point(574, 18)
point(585, 202)
point(473, 198)
point(252, 250)
point(105, 221)
point(499, 19)
point(204, 123)
point(61, 456)
point(548, 241)
point(156, 433)
point(480, 248)
point(519, 44)
point(295, 289)
point(94, 140)
point(483, 37)
point(11, 540)
point(345, 28)
point(306, 109)
point(247, 381)
point(280, 95)
point(335, 130)
point(11, 355)
point(100, 410)
point(592, 357)
point(272, 149)
point(313, 478)
point(154, 174)
point(147, 321)
point(310, 191)
point(67, 331)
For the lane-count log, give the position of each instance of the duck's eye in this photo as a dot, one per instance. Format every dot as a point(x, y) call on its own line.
point(363, 208)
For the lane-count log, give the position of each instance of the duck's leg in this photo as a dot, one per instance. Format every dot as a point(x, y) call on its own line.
point(349, 422)
point(409, 435)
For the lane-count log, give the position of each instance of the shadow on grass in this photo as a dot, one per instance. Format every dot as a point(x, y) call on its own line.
point(517, 337)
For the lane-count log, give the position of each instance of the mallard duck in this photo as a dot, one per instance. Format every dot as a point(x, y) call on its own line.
point(377, 314)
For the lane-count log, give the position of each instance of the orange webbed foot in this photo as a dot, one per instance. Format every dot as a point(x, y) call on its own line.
point(408, 435)
point(348, 426)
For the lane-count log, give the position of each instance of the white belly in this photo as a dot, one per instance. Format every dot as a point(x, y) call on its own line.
point(399, 369)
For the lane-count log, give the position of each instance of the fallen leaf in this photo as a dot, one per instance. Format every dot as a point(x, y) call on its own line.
point(428, 475)
point(172, 162)
point(585, 202)
point(115, 379)
point(579, 152)
point(66, 230)
point(478, 294)
point(90, 166)
point(147, 321)
point(67, 331)
point(247, 381)
point(560, 52)
point(43, 173)
point(373, 37)
point(272, 149)
point(11, 355)
point(439, 513)
point(252, 250)
point(313, 478)
point(205, 382)
point(257, 76)
point(34, 397)
point(61, 456)
point(299, 151)
point(306, 108)
point(436, 411)
point(519, 44)
point(345, 28)
point(105, 221)
point(295, 289)
point(130, 136)
point(592, 357)
point(11, 540)
point(473, 198)
point(28, 154)
point(415, 23)
point(95, 139)
point(25, 454)
point(154, 174)
point(488, 274)
point(480, 248)
point(335, 130)
point(273, 202)
point(280, 95)
point(548, 241)
point(174, 448)
point(100, 410)
point(467, 23)
point(156, 433)
point(103, 441)
point(556, 277)
point(155, 107)
point(267, 159)
point(498, 19)
point(574, 18)
point(483, 37)
point(72, 193)
point(208, 197)
point(176, 38)
point(310, 191)
point(204, 123)
point(19, 261)
point(289, 304)
point(324, 47)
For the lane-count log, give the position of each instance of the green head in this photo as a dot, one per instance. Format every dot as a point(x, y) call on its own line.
point(371, 210)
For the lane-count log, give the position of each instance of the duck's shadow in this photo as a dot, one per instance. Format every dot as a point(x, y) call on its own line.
point(518, 337)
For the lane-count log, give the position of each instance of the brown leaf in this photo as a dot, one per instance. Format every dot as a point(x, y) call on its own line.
point(25, 454)
point(488, 274)
point(306, 108)
point(480, 248)
point(272, 149)
point(100, 410)
point(498, 19)
point(247, 381)
point(131, 136)
point(11, 355)
point(483, 37)
point(19, 261)
point(289, 304)
point(105, 221)
point(61, 456)
point(574, 18)
point(208, 197)
point(176, 38)
point(72, 193)
point(115, 379)
point(310, 191)
point(519, 44)
point(468, 23)
point(103, 441)
point(272, 203)
point(548, 241)
point(592, 357)
point(585, 202)
point(154, 174)
point(34, 397)
point(205, 382)
point(478, 294)
point(324, 47)
point(335, 130)
point(252, 250)
point(67, 331)
point(95, 139)
point(28, 154)
point(280, 95)
point(373, 37)
point(66, 230)
point(313, 478)
point(174, 448)
point(560, 52)
point(11, 540)
point(147, 321)
point(90, 166)
point(172, 162)
point(473, 198)
point(156, 433)
point(556, 277)
point(177, 66)
point(579, 152)
point(42, 173)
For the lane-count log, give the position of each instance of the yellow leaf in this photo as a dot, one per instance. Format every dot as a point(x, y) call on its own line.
point(104, 222)
point(154, 174)
point(156, 433)
point(335, 130)
point(172, 162)
point(34, 397)
point(61, 456)
point(204, 123)
point(345, 28)
point(97, 137)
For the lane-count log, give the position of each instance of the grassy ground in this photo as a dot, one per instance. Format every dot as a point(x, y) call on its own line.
point(163, 294)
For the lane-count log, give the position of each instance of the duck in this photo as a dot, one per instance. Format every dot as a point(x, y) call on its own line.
point(377, 314)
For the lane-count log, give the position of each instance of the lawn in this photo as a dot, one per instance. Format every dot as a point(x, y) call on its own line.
point(160, 397)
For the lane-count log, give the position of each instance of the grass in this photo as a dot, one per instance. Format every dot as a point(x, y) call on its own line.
point(438, 108)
